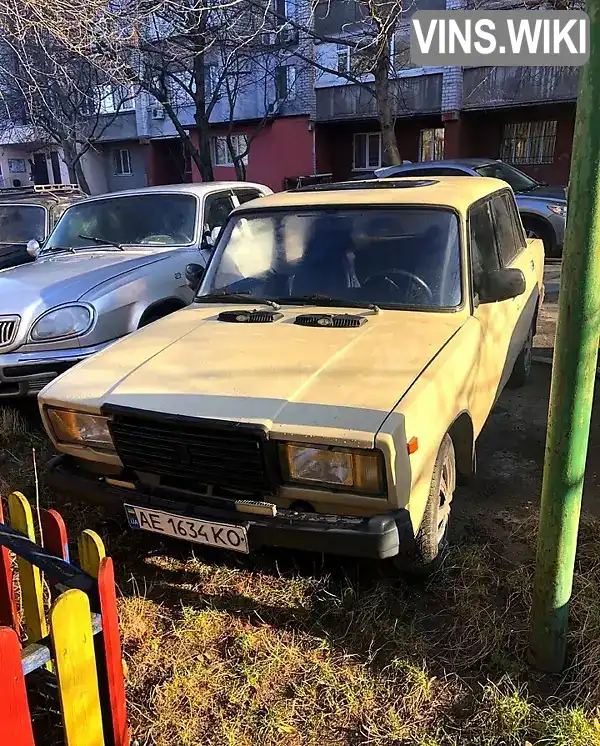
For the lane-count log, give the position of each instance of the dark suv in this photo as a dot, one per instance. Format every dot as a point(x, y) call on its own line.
point(31, 212)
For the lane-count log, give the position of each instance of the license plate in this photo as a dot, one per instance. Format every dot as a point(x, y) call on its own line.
point(221, 535)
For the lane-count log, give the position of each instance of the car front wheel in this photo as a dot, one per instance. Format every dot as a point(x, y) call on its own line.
point(432, 539)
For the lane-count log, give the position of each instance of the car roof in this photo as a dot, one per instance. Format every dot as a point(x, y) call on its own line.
point(449, 162)
point(440, 191)
point(41, 195)
point(198, 189)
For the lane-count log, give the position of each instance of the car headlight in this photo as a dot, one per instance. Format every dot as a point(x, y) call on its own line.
point(60, 323)
point(357, 471)
point(80, 428)
point(558, 210)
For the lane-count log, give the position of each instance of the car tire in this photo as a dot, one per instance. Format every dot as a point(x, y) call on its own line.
point(538, 229)
point(432, 538)
point(522, 369)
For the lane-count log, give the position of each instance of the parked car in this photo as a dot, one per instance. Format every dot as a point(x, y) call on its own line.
point(328, 382)
point(31, 212)
point(112, 264)
point(543, 208)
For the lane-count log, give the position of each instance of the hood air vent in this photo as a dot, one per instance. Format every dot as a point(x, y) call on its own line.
point(338, 320)
point(249, 317)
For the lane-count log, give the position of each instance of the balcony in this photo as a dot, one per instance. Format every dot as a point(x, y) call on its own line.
point(410, 95)
point(491, 87)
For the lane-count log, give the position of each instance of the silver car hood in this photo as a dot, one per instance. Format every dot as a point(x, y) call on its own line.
point(31, 289)
point(63, 278)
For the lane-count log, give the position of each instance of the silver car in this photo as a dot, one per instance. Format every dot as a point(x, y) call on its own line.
point(112, 264)
point(543, 208)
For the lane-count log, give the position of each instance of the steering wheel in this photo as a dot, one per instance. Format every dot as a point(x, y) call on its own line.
point(410, 275)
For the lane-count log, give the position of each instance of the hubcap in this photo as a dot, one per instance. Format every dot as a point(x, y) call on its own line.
point(446, 492)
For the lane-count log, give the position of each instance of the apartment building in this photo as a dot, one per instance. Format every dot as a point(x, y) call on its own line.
point(300, 114)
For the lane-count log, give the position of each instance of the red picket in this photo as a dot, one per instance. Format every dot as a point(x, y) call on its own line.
point(15, 720)
point(112, 650)
point(8, 607)
point(55, 534)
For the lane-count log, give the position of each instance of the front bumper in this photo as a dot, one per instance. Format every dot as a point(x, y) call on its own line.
point(26, 373)
point(378, 537)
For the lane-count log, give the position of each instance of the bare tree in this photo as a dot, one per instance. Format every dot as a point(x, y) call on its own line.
point(60, 96)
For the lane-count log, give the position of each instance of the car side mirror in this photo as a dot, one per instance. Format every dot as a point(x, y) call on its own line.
point(501, 284)
point(194, 274)
point(33, 248)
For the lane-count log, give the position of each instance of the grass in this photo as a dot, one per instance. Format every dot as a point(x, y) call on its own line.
point(294, 650)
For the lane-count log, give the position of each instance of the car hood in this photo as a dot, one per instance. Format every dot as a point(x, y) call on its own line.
point(545, 191)
point(297, 381)
point(63, 278)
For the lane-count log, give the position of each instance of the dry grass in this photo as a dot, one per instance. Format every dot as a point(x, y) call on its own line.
point(287, 649)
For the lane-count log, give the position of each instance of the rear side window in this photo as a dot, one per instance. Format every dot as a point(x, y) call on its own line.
point(247, 195)
point(508, 240)
point(484, 256)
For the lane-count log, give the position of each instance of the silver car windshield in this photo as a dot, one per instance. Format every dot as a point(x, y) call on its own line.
point(142, 219)
point(21, 223)
point(400, 257)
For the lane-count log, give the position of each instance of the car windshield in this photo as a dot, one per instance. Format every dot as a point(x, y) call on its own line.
point(21, 223)
point(400, 257)
point(519, 181)
point(142, 219)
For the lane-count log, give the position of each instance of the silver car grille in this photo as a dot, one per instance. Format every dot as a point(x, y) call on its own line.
point(8, 329)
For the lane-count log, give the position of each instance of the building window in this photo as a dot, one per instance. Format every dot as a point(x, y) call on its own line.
point(529, 142)
point(221, 154)
point(285, 82)
point(108, 99)
point(211, 80)
point(367, 151)
point(432, 144)
point(122, 159)
point(343, 58)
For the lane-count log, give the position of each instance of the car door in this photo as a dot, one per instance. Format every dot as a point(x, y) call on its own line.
point(496, 320)
point(514, 252)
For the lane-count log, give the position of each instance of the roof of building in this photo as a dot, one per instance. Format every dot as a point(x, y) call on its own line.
point(197, 189)
point(444, 191)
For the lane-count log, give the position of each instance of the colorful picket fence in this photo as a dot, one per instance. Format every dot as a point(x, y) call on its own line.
point(76, 640)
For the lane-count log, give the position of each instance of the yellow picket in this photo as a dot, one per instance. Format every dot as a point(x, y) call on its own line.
point(91, 552)
point(75, 663)
point(30, 579)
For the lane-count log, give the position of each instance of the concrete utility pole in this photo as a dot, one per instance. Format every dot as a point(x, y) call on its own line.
point(573, 376)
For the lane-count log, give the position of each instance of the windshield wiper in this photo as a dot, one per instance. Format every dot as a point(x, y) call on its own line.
point(325, 300)
point(70, 249)
point(241, 297)
point(104, 241)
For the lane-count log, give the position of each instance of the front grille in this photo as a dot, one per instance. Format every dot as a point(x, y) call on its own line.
point(8, 329)
point(202, 452)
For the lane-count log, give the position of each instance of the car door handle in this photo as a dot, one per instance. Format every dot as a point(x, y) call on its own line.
point(532, 265)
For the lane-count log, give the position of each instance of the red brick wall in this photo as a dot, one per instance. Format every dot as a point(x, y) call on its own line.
point(282, 149)
point(334, 143)
point(482, 136)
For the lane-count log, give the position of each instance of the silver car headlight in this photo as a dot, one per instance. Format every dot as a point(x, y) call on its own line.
point(354, 470)
point(558, 210)
point(61, 323)
point(79, 428)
